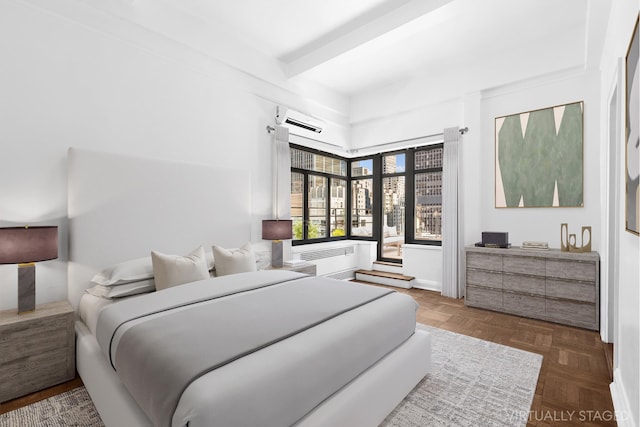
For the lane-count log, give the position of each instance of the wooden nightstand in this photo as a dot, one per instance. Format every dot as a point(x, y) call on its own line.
point(37, 349)
point(306, 268)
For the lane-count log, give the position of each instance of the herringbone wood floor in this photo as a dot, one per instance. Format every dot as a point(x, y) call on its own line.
point(573, 386)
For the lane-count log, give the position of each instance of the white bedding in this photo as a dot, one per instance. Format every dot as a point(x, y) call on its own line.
point(271, 381)
point(88, 309)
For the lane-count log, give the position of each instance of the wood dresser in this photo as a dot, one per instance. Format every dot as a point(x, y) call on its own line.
point(561, 287)
point(37, 349)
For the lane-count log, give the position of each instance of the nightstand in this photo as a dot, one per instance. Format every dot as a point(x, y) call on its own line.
point(306, 268)
point(37, 349)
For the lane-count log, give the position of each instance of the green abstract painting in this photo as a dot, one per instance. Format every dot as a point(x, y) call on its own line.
point(539, 158)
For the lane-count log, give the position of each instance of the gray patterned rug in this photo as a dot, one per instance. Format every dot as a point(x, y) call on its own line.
point(472, 383)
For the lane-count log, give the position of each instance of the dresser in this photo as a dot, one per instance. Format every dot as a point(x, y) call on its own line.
point(561, 287)
point(37, 349)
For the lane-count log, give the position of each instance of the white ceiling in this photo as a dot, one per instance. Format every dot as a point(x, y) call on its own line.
point(354, 45)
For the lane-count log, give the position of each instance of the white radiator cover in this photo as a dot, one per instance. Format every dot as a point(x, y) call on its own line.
point(337, 259)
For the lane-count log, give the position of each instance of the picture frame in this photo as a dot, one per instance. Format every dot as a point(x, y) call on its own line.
point(539, 158)
point(632, 135)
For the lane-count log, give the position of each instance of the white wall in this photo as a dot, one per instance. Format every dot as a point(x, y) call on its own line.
point(71, 79)
point(543, 224)
point(626, 386)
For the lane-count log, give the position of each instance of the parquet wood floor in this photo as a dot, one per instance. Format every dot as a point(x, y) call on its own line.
point(573, 386)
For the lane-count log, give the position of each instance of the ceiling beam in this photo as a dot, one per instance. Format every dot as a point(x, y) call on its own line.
point(357, 32)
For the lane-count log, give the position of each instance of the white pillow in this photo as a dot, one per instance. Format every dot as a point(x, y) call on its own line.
point(128, 289)
point(126, 272)
point(392, 232)
point(235, 260)
point(133, 271)
point(173, 270)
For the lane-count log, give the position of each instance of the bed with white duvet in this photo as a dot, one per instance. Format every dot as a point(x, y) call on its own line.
point(263, 348)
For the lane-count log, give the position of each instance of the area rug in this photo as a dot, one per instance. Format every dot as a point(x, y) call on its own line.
point(472, 383)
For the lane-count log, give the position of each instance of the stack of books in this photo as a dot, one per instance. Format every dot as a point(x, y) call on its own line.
point(536, 246)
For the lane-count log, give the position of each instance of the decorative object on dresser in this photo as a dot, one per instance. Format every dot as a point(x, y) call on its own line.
point(535, 246)
point(493, 239)
point(276, 230)
point(561, 287)
point(37, 349)
point(568, 242)
point(25, 246)
point(539, 158)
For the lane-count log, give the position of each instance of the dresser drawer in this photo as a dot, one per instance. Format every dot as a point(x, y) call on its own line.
point(523, 265)
point(574, 270)
point(484, 278)
point(519, 303)
point(563, 311)
point(526, 284)
point(576, 291)
point(484, 297)
point(484, 261)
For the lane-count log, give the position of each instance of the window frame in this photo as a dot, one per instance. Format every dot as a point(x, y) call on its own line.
point(377, 208)
point(411, 185)
point(305, 194)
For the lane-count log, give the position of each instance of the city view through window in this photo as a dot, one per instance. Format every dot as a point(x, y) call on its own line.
point(320, 188)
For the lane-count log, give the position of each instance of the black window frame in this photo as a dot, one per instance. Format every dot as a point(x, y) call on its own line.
point(305, 194)
point(377, 208)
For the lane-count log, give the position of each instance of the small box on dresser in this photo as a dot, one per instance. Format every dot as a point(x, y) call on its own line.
point(37, 349)
point(561, 287)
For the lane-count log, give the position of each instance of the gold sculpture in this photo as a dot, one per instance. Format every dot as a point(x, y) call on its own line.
point(568, 242)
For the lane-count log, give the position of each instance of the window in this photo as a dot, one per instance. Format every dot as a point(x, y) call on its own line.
point(362, 198)
point(391, 197)
point(393, 205)
point(318, 196)
point(428, 194)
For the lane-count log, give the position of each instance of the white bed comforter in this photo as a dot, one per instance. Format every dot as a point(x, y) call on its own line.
point(280, 383)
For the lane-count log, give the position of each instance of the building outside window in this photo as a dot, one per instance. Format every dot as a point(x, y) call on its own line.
point(327, 203)
point(428, 194)
point(318, 195)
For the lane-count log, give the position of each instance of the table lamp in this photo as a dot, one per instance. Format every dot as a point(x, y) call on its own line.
point(276, 230)
point(25, 246)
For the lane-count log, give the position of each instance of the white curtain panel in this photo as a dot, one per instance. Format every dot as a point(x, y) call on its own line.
point(452, 235)
point(282, 174)
point(282, 181)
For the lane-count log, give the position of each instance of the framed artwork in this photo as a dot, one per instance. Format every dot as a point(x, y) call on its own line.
point(632, 140)
point(539, 158)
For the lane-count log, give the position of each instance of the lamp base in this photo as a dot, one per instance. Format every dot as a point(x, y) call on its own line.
point(276, 254)
point(26, 287)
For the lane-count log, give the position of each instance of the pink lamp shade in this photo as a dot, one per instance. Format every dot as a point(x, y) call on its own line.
point(21, 245)
point(277, 229)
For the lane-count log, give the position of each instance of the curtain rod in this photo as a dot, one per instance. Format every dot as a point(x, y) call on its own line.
point(462, 132)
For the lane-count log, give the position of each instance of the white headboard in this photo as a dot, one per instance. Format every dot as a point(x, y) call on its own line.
point(123, 207)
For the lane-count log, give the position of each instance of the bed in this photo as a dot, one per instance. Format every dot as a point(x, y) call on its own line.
point(347, 364)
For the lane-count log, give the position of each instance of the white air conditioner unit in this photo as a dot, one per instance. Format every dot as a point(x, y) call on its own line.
point(287, 116)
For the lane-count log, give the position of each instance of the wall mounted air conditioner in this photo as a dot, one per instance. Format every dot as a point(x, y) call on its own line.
point(287, 116)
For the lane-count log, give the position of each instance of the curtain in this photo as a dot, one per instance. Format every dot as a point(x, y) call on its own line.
point(452, 234)
point(282, 174)
point(282, 181)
